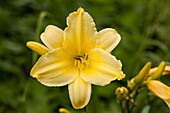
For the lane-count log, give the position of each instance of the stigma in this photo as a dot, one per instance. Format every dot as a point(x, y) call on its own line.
point(81, 61)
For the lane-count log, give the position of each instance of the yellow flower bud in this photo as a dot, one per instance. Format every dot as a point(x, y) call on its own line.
point(137, 80)
point(121, 92)
point(143, 73)
point(131, 83)
point(165, 72)
point(37, 47)
point(158, 73)
point(63, 110)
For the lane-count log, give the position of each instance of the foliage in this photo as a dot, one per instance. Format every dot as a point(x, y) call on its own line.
point(144, 26)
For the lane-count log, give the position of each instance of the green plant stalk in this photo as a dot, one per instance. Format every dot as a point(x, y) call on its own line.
point(90, 108)
point(84, 110)
point(24, 95)
point(42, 15)
point(34, 55)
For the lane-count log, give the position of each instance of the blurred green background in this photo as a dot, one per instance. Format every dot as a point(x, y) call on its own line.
point(144, 26)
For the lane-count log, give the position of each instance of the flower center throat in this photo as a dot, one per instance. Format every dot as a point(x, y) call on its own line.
point(81, 61)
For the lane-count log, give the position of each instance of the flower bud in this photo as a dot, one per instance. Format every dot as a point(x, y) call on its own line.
point(37, 47)
point(121, 92)
point(63, 110)
point(137, 80)
point(143, 73)
point(158, 73)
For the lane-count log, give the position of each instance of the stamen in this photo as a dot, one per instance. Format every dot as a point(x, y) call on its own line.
point(79, 64)
point(75, 62)
point(81, 61)
point(86, 57)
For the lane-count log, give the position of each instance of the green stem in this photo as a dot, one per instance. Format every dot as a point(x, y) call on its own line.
point(149, 101)
point(135, 96)
point(34, 55)
point(121, 106)
point(24, 95)
point(41, 17)
point(127, 103)
point(84, 110)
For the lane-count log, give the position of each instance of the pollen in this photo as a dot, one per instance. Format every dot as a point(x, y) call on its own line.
point(81, 61)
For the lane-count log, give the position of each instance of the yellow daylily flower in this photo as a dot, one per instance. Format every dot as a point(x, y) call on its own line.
point(160, 90)
point(79, 56)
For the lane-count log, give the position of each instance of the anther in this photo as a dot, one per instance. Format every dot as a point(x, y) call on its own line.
point(81, 61)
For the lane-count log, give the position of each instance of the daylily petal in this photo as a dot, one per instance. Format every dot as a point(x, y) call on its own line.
point(79, 92)
point(167, 102)
point(52, 37)
point(37, 47)
point(102, 68)
point(55, 68)
point(109, 39)
point(80, 35)
point(160, 90)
